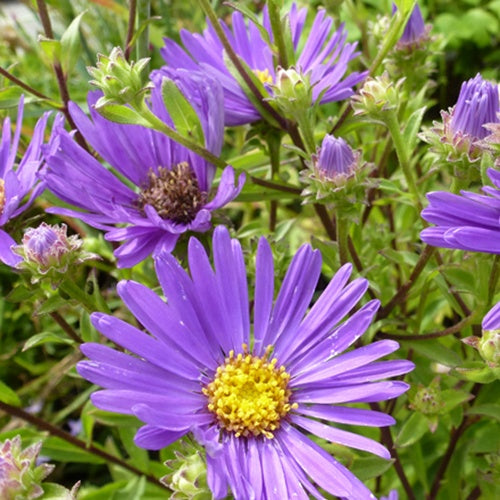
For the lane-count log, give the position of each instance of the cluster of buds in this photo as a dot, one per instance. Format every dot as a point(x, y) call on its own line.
point(20, 477)
point(188, 477)
point(292, 93)
point(461, 138)
point(414, 55)
point(48, 250)
point(119, 80)
point(377, 96)
point(336, 176)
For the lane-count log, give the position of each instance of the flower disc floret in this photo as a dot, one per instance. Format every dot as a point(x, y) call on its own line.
point(249, 394)
point(175, 194)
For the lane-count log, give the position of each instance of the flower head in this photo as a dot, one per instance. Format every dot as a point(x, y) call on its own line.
point(248, 394)
point(17, 179)
point(460, 136)
point(166, 191)
point(119, 80)
point(336, 159)
point(489, 344)
point(323, 59)
point(478, 104)
point(20, 477)
point(415, 30)
point(48, 249)
point(468, 221)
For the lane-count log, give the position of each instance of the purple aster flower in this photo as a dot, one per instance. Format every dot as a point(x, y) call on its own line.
point(335, 158)
point(324, 57)
point(478, 104)
point(468, 221)
point(165, 191)
point(249, 394)
point(17, 179)
point(415, 29)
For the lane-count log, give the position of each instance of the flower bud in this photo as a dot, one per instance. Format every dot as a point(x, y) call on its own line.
point(415, 30)
point(188, 477)
point(119, 80)
point(377, 96)
point(292, 92)
point(19, 475)
point(459, 138)
point(489, 347)
point(336, 176)
point(428, 400)
point(49, 249)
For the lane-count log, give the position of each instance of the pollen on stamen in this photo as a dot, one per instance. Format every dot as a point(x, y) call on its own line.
point(174, 193)
point(249, 395)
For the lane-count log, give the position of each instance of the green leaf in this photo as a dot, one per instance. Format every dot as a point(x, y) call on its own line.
point(120, 113)
point(19, 294)
point(44, 338)
point(437, 352)
point(52, 491)
point(51, 49)
point(412, 128)
point(9, 97)
point(413, 429)
point(8, 396)
point(52, 304)
point(366, 468)
point(70, 44)
point(185, 118)
point(488, 410)
point(58, 449)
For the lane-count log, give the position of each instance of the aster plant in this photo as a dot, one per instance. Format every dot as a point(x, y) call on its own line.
point(165, 188)
point(323, 58)
point(18, 178)
point(301, 342)
point(249, 399)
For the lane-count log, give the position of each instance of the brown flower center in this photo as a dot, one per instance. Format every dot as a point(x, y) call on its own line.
point(174, 193)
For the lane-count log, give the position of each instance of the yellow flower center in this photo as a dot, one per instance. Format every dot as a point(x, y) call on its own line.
point(263, 76)
point(249, 394)
point(2, 195)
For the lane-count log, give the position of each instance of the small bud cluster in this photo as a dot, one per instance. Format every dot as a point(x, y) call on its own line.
point(119, 80)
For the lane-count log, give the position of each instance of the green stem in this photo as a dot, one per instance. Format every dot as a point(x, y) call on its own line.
point(143, 14)
point(55, 431)
point(342, 239)
point(212, 16)
point(274, 145)
point(306, 133)
point(132, 11)
point(392, 37)
point(274, 17)
point(392, 122)
point(161, 126)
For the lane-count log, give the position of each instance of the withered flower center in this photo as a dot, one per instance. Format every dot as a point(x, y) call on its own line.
point(174, 193)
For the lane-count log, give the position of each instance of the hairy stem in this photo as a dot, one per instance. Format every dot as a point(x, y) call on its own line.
point(25, 86)
point(66, 327)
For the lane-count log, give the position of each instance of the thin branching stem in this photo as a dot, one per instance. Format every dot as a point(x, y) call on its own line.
point(66, 436)
point(132, 10)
